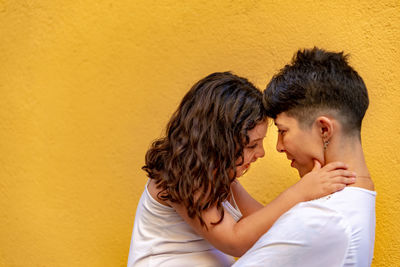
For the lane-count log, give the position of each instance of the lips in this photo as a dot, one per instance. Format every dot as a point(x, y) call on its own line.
point(292, 163)
point(289, 157)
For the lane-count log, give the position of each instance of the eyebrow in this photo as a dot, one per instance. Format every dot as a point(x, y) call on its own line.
point(258, 139)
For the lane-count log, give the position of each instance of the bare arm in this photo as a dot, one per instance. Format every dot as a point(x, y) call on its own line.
point(245, 202)
point(235, 238)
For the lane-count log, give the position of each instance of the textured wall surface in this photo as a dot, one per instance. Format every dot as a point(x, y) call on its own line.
point(85, 86)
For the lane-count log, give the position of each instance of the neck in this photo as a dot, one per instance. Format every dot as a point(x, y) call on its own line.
point(349, 151)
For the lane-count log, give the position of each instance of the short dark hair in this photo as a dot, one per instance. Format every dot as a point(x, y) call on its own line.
point(318, 81)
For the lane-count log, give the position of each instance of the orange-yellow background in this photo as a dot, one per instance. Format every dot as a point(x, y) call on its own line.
point(85, 86)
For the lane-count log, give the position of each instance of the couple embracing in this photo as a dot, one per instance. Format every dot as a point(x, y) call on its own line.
point(194, 211)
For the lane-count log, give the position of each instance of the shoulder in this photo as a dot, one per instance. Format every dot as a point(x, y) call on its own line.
point(310, 224)
point(154, 192)
point(315, 217)
point(305, 236)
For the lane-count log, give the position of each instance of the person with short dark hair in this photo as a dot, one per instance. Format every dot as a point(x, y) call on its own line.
point(318, 103)
point(193, 211)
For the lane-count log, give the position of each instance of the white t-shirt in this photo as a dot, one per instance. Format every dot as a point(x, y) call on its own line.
point(338, 230)
point(162, 238)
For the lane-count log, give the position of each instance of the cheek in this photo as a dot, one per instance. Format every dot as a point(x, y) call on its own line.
point(246, 156)
point(290, 145)
point(307, 157)
point(249, 157)
point(240, 160)
point(301, 149)
point(308, 153)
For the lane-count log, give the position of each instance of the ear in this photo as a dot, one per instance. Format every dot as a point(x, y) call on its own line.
point(325, 127)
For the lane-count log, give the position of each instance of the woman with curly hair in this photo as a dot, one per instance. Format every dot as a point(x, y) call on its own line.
point(193, 210)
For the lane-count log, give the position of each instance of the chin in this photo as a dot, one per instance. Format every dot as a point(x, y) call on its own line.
point(301, 173)
point(304, 171)
point(241, 173)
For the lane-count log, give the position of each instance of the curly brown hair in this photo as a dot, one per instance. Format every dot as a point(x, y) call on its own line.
point(195, 163)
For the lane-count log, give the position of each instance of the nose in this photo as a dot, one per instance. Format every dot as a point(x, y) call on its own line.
point(261, 152)
point(279, 145)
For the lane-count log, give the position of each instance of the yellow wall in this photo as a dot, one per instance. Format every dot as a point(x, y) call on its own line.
point(86, 85)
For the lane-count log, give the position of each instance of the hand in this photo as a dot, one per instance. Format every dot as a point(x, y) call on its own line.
point(324, 181)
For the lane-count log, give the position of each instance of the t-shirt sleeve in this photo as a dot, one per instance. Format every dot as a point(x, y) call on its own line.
point(307, 235)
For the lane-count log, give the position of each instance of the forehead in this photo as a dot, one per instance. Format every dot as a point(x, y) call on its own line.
point(283, 120)
point(259, 131)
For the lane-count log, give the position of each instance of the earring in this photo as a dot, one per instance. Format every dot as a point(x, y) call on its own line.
point(326, 143)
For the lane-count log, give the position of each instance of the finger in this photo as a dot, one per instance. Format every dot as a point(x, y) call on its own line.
point(317, 165)
point(340, 173)
point(335, 165)
point(348, 180)
point(343, 180)
point(339, 187)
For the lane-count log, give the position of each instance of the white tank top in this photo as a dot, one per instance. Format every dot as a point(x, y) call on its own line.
point(162, 238)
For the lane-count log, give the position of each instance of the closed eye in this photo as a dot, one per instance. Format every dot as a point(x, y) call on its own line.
point(252, 147)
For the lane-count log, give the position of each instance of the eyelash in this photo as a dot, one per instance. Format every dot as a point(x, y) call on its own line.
point(252, 147)
point(281, 132)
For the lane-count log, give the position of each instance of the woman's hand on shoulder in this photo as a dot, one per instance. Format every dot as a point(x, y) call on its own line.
point(324, 181)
